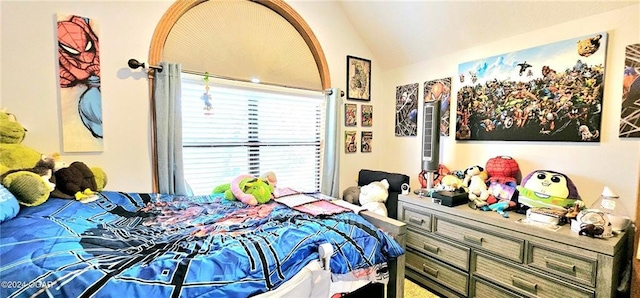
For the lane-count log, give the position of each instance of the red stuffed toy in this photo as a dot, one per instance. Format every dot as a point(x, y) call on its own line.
point(437, 176)
point(503, 169)
point(503, 172)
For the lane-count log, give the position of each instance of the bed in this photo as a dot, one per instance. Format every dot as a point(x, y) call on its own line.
point(136, 244)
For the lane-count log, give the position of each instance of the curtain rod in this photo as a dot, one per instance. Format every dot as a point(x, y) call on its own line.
point(134, 64)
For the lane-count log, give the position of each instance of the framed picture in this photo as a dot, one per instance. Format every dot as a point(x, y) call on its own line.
point(366, 139)
point(358, 78)
point(350, 114)
point(406, 110)
point(367, 115)
point(552, 92)
point(630, 113)
point(350, 141)
point(440, 90)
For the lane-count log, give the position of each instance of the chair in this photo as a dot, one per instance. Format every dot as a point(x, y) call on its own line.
point(395, 186)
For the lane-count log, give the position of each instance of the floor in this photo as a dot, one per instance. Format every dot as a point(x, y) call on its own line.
point(413, 290)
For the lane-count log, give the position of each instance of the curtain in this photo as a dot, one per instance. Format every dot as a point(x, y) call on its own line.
point(168, 115)
point(331, 155)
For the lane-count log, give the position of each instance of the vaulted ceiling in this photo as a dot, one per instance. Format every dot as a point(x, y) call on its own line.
point(401, 33)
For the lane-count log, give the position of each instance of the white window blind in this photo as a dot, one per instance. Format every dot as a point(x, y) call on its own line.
point(250, 129)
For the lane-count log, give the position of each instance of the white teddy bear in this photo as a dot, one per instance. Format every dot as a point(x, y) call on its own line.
point(374, 195)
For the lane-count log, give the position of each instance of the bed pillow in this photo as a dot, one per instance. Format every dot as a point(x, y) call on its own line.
point(9, 206)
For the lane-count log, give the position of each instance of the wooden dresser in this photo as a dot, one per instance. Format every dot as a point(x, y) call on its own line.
point(458, 251)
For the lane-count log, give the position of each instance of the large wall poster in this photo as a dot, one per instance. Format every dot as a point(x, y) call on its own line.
point(552, 92)
point(406, 110)
point(630, 114)
point(440, 90)
point(79, 74)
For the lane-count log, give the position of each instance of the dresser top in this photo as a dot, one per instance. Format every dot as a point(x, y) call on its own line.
point(563, 235)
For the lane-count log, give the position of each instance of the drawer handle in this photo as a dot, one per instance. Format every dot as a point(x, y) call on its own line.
point(473, 239)
point(429, 270)
point(523, 284)
point(430, 247)
point(416, 220)
point(560, 266)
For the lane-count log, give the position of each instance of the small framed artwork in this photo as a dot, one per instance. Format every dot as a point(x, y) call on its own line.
point(350, 141)
point(367, 115)
point(358, 78)
point(366, 139)
point(350, 114)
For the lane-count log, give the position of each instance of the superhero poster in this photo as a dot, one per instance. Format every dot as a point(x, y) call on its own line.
point(406, 110)
point(552, 92)
point(630, 113)
point(79, 77)
point(440, 90)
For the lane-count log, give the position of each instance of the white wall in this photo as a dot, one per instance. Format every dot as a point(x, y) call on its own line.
point(613, 161)
point(29, 82)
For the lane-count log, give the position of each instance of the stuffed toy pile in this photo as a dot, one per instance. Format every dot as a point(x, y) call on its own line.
point(32, 177)
point(249, 189)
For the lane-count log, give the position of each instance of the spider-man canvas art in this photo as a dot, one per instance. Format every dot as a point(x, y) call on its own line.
point(79, 72)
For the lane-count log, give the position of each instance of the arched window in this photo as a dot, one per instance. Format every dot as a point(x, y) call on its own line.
point(235, 42)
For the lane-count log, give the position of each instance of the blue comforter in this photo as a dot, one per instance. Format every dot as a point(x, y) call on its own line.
point(149, 245)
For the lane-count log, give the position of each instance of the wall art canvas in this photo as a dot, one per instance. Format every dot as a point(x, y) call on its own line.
point(406, 110)
point(350, 114)
point(552, 92)
point(366, 139)
point(358, 78)
point(367, 115)
point(440, 90)
point(350, 141)
point(630, 114)
point(79, 84)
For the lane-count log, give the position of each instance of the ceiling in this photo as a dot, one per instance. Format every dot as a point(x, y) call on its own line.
point(401, 33)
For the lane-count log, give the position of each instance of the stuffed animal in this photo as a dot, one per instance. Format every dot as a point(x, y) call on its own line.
point(17, 162)
point(247, 189)
point(503, 169)
point(352, 195)
point(450, 182)
point(545, 188)
point(76, 181)
point(374, 195)
point(475, 179)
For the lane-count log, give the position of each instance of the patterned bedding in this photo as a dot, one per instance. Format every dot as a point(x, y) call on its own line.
point(150, 245)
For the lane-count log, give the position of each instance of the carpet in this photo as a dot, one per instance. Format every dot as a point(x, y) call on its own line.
point(413, 290)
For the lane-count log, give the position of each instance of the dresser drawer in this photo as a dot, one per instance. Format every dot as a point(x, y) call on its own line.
point(523, 281)
point(441, 273)
point(502, 245)
point(573, 267)
point(481, 289)
point(443, 250)
point(415, 217)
